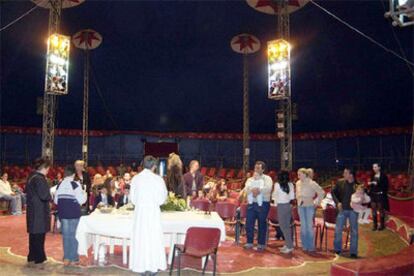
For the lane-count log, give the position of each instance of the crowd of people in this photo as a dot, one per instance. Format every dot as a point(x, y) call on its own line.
point(74, 194)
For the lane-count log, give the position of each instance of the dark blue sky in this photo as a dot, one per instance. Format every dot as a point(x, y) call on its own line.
point(168, 66)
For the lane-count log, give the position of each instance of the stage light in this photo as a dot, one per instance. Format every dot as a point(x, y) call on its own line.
point(401, 12)
point(55, 40)
point(278, 52)
point(279, 65)
point(57, 64)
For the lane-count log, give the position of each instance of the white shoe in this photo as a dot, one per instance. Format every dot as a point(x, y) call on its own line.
point(286, 250)
point(283, 248)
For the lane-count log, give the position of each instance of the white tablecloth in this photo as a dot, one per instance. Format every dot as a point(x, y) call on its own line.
point(117, 225)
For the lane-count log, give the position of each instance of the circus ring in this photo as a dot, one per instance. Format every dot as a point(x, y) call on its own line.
point(232, 259)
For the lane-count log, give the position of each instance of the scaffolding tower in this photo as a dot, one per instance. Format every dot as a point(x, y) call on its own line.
point(50, 100)
point(284, 105)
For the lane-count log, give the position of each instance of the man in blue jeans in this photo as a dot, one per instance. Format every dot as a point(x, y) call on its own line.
point(259, 184)
point(69, 197)
point(342, 194)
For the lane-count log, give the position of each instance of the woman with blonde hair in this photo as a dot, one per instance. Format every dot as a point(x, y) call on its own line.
point(311, 173)
point(306, 189)
point(97, 183)
point(98, 180)
point(174, 160)
point(175, 180)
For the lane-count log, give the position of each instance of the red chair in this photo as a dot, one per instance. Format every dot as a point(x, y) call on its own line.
point(7, 209)
point(293, 175)
point(241, 219)
point(240, 175)
point(199, 242)
point(91, 171)
point(222, 173)
point(227, 211)
point(230, 174)
point(51, 174)
point(234, 185)
point(329, 223)
point(243, 211)
point(212, 172)
point(112, 170)
point(100, 170)
point(235, 201)
point(273, 175)
point(201, 204)
point(272, 220)
point(296, 222)
point(203, 171)
point(233, 194)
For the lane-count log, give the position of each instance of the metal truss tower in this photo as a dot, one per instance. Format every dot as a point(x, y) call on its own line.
point(50, 100)
point(284, 107)
point(246, 131)
point(85, 127)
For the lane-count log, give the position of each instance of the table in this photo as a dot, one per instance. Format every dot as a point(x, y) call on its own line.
point(116, 228)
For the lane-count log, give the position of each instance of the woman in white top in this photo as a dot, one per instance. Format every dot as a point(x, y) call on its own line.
point(283, 194)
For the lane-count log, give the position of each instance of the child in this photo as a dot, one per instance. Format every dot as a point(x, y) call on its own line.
point(256, 183)
point(357, 200)
point(201, 195)
point(328, 200)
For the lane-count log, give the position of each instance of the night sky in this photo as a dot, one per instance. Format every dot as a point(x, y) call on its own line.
point(168, 66)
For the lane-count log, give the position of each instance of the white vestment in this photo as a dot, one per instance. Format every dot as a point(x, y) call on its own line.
point(147, 252)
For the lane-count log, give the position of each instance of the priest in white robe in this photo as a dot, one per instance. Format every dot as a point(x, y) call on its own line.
point(148, 192)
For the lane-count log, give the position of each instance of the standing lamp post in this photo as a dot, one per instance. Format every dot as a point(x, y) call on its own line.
point(57, 70)
point(245, 44)
point(279, 88)
point(86, 40)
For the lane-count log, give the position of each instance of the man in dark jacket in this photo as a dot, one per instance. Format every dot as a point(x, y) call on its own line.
point(342, 194)
point(193, 180)
point(38, 212)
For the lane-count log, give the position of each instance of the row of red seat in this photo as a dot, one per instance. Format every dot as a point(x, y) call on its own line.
point(18, 173)
point(231, 173)
point(398, 181)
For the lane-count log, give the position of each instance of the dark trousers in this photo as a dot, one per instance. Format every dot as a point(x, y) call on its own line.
point(37, 248)
point(378, 207)
point(259, 213)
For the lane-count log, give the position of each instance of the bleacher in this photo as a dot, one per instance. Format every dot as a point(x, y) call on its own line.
point(399, 182)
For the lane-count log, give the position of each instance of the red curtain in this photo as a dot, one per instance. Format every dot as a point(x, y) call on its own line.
point(160, 149)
